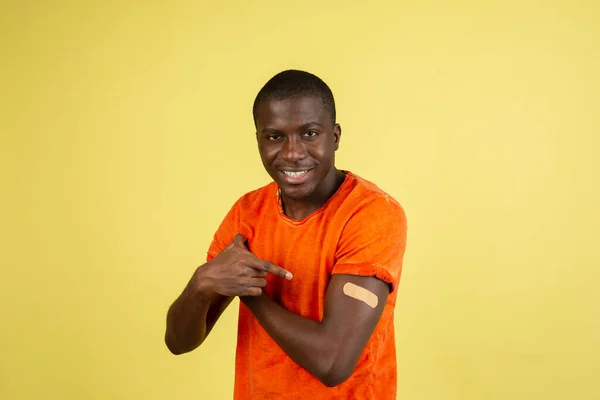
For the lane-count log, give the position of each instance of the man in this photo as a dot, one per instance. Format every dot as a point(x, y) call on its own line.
point(315, 258)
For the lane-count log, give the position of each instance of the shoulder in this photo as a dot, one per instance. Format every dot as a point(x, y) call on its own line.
point(244, 209)
point(366, 199)
point(257, 197)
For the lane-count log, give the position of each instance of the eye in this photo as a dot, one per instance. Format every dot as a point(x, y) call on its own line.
point(311, 133)
point(273, 137)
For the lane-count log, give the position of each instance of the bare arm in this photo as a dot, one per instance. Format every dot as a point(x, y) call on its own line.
point(191, 318)
point(329, 349)
point(233, 272)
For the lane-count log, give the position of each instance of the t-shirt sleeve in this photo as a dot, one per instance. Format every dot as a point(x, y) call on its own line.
point(226, 232)
point(373, 242)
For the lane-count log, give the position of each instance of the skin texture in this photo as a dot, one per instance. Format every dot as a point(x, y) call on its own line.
point(293, 134)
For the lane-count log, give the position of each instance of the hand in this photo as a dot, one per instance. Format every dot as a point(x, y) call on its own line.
point(235, 272)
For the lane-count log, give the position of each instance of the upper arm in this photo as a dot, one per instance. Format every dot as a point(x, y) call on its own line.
point(369, 255)
point(351, 321)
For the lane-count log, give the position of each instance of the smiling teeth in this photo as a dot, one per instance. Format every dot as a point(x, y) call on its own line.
point(294, 174)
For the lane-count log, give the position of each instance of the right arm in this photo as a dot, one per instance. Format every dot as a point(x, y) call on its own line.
point(192, 316)
point(233, 272)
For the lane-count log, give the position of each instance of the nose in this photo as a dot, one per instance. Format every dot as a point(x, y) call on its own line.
point(293, 150)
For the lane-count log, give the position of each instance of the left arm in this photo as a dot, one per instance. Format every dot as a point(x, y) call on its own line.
point(369, 254)
point(329, 349)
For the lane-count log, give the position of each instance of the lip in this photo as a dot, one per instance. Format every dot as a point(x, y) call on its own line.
point(293, 180)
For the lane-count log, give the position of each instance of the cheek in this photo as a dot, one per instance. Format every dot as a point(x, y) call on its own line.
point(322, 152)
point(267, 154)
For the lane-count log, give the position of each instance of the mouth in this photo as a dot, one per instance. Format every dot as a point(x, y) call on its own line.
point(295, 177)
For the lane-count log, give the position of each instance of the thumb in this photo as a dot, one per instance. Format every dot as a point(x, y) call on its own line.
point(240, 240)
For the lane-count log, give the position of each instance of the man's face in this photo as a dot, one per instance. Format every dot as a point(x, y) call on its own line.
point(297, 141)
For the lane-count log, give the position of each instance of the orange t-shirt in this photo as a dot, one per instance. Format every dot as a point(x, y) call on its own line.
point(360, 230)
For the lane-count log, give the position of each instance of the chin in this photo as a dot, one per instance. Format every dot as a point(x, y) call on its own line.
point(299, 192)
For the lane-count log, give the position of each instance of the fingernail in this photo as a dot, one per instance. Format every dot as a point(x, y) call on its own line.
point(288, 276)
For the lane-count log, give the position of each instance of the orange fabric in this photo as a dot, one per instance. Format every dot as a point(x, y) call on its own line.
point(362, 231)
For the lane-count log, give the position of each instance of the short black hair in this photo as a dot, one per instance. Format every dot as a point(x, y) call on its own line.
point(293, 82)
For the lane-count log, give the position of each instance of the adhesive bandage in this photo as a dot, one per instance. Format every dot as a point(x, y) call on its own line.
point(360, 293)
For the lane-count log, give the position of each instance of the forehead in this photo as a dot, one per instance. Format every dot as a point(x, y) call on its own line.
point(292, 111)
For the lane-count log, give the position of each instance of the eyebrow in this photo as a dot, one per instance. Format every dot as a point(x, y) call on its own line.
point(271, 130)
point(302, 127)
point(309, 124)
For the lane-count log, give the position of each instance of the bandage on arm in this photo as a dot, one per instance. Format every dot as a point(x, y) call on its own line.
point(361, 294)
point(353, 307)
point(329, 349)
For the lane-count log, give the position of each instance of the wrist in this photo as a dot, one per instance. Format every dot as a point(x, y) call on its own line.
point(200, 286)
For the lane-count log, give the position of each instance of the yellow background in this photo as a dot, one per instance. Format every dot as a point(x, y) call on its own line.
point(127, 135)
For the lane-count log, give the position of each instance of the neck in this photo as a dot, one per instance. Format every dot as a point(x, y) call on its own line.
point(300, 209)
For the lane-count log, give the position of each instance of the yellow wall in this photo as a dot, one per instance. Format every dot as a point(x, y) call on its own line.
point(127, 135)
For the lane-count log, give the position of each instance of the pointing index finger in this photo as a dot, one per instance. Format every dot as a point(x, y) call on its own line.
point(274, 269)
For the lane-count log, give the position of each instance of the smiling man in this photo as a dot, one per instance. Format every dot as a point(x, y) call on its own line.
point(314, 256)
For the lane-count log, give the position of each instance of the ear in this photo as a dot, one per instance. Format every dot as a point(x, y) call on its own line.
point(337, 135)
